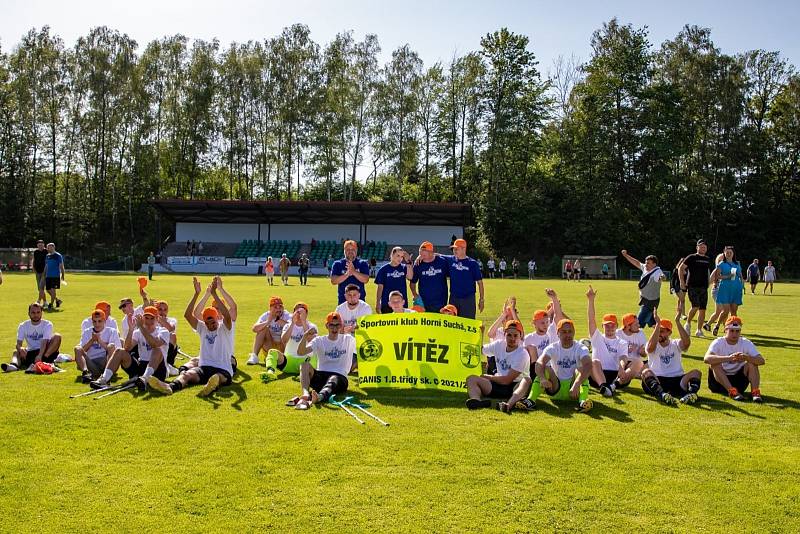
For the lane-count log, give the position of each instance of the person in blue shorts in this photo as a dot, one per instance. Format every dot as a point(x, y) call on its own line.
point(350, 270)
point(465, 274)
point(731, 286)
point(393, 277)
point(430, 278)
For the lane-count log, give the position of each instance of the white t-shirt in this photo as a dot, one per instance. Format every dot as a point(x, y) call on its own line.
point(216, 347)
point(275, 329)
point(124, 322)
point(173, 322)
point(295, 337)
point(503, 265)
point(349, 315)
point(531, 265)
point(517, 359)
point(607, 351)
point(405, 310)
point(540, 341)
point(35, 334)
point(107, 335)
point(721, 347)
point(666, 361)
point(490, 264)
point(145, 350)
point(87, 323)
point(563, 361)
point(769, 273)
point(334, 356)
point(635, 342)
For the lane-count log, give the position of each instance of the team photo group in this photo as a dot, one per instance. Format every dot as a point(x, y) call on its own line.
point(526, 354)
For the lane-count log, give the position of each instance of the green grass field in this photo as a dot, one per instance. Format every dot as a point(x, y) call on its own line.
point(241, 461)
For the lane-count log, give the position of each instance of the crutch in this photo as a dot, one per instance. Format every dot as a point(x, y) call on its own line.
point(186, 356)
point(362, 407)
point(341, 405)
point(92, 392)
point(124, 387)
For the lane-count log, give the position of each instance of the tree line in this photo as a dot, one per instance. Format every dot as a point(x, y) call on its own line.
point(640, 146)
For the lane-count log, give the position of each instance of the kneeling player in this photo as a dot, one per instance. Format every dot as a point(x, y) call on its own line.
point(151, 341)
point(268, 330)
point(663, 377)
point(288, 361)
point(216, 347)
point(97, 345)
point(609, 353)
point(734, 362)
point(512, 362)
point(562, 370)
point(334, 354)
point(41, 344)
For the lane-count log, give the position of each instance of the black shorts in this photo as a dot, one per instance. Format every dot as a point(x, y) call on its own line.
point(385, 308)
point(207, 371)
point(738, 380)
point(502, 391)
point(234, 364)
point(670, 384)
point(338, 383)
point(30, 357)
point(52, 283)
point(610, 377)
point(137, 369)
point(698, 296)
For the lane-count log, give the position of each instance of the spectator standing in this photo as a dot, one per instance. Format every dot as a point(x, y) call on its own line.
point(39, 259)
point(769, 277)
point(54, 274)
point(151, 263)
point(753, 275)
point(350, 270)
point(531, 269)
point(649, 287)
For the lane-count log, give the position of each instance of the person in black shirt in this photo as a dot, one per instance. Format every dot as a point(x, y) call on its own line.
point(39, 256)
point(694, 276)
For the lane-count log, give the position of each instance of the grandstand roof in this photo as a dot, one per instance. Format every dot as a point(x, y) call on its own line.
point(299, 212)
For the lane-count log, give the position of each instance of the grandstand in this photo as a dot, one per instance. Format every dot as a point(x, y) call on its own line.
point(238, 236)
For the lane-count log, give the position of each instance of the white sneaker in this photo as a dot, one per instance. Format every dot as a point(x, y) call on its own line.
point(62, 358)
point(699, 333)
point(9, 367)
point(172, 371)
point(253, 359)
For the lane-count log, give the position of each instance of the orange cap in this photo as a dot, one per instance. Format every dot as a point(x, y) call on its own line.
point(563, 322)
point(539, 314)
point(459, 243)
point(102, 305)
point(275, 300)
point(513, 323)
point(610, 318)
point(449, 308)
point(426, 245)
point(733, 322)
point(350, 243)
point(99, 312)
point(331, 316)
point(301, 305)
point(151, 310)
point(666, 324)
point(628, 319)
point(210, 312)
point(142, 282)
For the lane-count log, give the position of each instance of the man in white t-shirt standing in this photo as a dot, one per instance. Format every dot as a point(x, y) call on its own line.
point(734, 362)
point(287, 361)
point(634, 337)
point(98, 343)
point(151, 340)
point(215, 329)
point(334, 354)
point(562, 371)
point(649, 287)
point(531, 270)
point(609, 353)
point(663, 377)
point(352, 308)
point(36, 342)
point(268, 329)
point(512, 362)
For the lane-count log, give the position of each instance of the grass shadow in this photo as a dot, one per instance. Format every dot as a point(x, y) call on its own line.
point(411, 398)
point(773, 342)
point(236, 388)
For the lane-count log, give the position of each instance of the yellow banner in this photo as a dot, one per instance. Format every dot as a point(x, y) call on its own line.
point(417, 350)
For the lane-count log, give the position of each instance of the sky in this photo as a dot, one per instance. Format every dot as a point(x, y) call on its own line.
point(435, 29)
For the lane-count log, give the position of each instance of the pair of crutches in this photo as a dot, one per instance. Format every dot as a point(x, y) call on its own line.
point(348, 402)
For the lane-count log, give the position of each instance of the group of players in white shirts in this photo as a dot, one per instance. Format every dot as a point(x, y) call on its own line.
point(519, 367)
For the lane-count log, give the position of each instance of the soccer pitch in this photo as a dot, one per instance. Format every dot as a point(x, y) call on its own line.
point(242, 461)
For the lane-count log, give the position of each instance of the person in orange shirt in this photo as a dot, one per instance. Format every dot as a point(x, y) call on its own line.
point(269, 270)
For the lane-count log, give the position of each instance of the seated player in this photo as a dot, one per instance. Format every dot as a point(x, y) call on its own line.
point(562, 371)
point(170, 324)
point(397, 303)
point(288, 361)
point(334, 354)
point(609, 353)
point(734, 362)
point(634, 337)
point(229, 302)
point(97, 345)
point(352, 308)
point(449, 309)
point(36, 342)
point(150, 340)
point(268, 330)
point(215, 329)
point(106, 308)
point(663, 376)
point(512, 362)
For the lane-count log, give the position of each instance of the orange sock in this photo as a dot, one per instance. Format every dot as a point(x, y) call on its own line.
point(733, 392)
